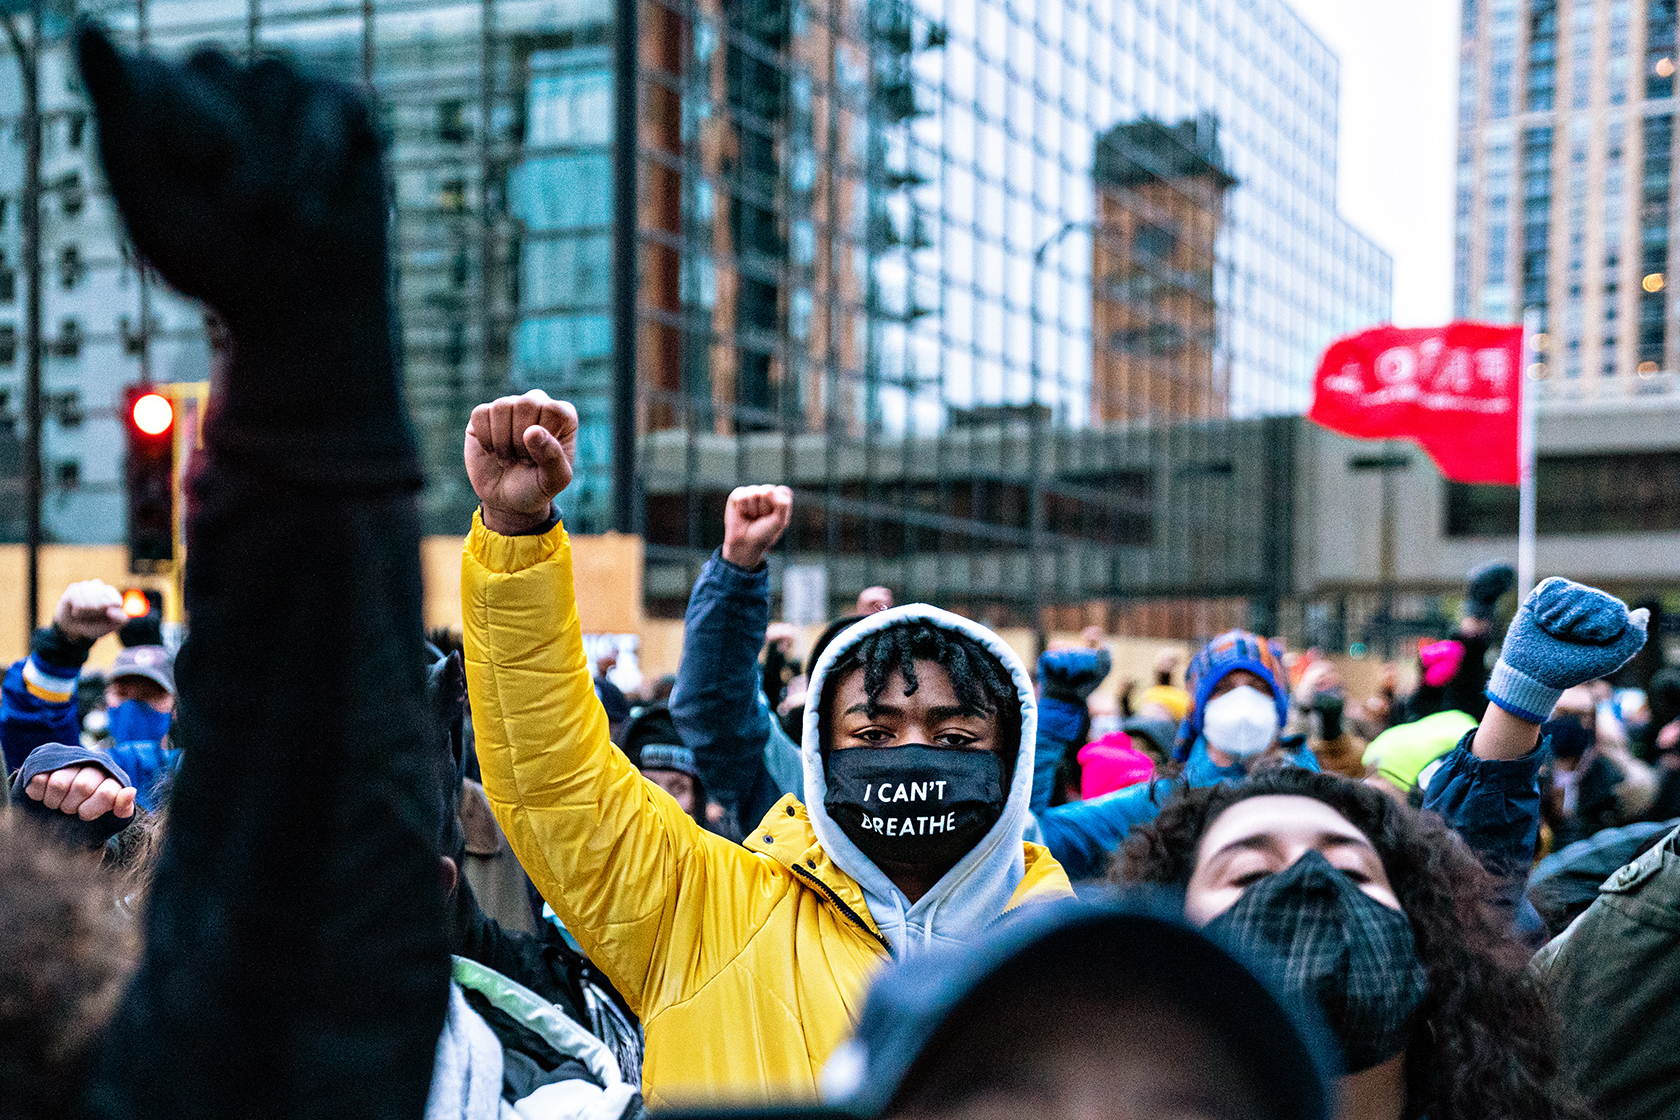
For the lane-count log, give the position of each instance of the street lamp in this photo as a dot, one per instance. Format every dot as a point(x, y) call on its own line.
point(1035, 440)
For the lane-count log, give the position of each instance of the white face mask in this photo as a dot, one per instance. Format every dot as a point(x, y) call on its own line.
point(1242, 722)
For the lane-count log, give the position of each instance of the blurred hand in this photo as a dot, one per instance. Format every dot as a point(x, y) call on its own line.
point(1094, 637)
point(1668, 739)
point(89, 610)
point(244, 185)
point(782, 635)
point(87, 792)
point(519, 454)
point(754, 519)
point(606, 663)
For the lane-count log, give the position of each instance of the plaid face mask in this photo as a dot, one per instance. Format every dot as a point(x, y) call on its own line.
point(1335, 948)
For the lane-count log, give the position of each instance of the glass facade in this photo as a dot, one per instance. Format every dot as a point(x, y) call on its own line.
point(1592, 148)
point(1007, 291)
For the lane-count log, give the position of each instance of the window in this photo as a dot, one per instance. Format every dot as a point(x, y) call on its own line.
point(66, 408)
point(69, 344)
point(1583, 494)
point(452, 122)
point(70, 194)
point(8, 345)
point(452, 198)
point(69, 473)
point(70, 266)
point(75, 129)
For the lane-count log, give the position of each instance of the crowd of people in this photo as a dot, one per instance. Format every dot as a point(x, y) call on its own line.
point(320, 863)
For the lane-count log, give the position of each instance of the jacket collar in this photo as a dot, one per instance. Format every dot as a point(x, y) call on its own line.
point(786, 836)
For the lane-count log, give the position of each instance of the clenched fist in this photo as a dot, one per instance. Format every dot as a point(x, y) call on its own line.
point(89, 610)
point(753, 521)
point(519, 453)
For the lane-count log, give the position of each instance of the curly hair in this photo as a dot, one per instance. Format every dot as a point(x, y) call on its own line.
point(65, 955)
point(1484, 1044)
point(981, 682)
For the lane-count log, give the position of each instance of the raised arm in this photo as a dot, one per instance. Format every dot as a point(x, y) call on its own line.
point(635, 880)
point(38, 700)
point(1564, 634)
point(718, 703)
point(295, 961)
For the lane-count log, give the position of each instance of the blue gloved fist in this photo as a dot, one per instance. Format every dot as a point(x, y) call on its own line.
point(1564, 634)
point(1072, 675)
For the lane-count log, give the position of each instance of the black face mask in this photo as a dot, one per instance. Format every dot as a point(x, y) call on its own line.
point(915, 805)
point(1336, 948)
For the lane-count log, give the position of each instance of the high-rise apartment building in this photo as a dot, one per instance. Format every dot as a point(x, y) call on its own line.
point(879, 253)
point(1565, 184)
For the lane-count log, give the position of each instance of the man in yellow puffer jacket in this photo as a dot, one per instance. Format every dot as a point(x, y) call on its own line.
point(747, 964)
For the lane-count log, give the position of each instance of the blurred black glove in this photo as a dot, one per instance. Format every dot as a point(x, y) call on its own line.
point(1484, 586)
point(263, 193)
point(1329, 707)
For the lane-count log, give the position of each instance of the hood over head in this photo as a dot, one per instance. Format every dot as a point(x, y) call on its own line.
point(974, 892)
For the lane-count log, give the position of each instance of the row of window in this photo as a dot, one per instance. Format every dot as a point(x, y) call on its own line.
point(1575, 494)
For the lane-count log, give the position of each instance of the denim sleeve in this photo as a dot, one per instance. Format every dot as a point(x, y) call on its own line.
point(1494, 804)
point(718, 704)
point(1082, 835)
point(1059, 721)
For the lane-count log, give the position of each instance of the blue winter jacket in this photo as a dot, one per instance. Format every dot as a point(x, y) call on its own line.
point(746, 760)
point(1083, 834)
point(38, 698)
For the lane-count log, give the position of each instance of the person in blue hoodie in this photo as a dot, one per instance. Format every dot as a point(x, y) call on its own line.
point(1235, 725)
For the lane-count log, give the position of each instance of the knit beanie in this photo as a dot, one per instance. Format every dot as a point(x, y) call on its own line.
point(1441, 661)
point(1224, 655)
point(651, 742)
point(1112, 763)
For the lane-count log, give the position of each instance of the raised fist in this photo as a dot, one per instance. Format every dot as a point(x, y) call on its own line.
point(89, 610)
point(82, 791)
point(519, 453)
point(753, 521)
point(246, 186)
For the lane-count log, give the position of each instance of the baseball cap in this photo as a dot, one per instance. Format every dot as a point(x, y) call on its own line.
point(154, 663)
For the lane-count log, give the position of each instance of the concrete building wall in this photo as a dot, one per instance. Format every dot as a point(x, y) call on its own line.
point(1340, 501)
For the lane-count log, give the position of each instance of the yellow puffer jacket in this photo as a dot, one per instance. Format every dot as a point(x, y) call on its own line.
point(748, 965)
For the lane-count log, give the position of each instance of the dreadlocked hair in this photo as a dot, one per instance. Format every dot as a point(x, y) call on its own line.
point(981, 682)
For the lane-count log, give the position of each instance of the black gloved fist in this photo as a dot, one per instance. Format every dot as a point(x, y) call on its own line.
point(1329, 706)
point(262, 192)
point(242, 185)
point(1484, 586)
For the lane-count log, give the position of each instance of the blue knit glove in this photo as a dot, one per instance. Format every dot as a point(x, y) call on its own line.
point(1564, 634)
point(1072, 675)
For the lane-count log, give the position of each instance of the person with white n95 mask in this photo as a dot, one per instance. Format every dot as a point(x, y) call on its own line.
point(1242, 720)
point(1239, 697)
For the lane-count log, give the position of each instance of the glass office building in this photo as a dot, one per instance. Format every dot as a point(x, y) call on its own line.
point(1009, 291)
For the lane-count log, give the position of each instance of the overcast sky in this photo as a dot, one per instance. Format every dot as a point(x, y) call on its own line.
point(1399, 78)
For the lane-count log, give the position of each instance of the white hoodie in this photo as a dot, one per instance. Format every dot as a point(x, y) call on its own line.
point(972, 894)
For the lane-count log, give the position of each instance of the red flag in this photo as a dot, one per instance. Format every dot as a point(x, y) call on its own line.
point(1453, 390)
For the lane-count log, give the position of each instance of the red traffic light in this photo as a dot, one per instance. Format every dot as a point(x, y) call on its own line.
point(153, 414)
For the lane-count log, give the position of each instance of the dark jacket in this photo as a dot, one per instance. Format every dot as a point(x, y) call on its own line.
point(745, 759)
point(1614, 979)
point(1494, 804)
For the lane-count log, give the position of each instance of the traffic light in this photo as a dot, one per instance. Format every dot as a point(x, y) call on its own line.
point(149, 421)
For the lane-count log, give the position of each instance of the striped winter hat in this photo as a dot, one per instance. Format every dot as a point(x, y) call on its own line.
point(1232, 650)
